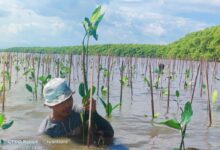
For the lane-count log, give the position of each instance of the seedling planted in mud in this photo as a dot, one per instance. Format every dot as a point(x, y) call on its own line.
point(30, 88)
point(4, 125)
point(182, 124)
point(108, 107)
point(43, 81)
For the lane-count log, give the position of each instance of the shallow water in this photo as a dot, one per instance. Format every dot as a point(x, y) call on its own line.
point(132, 128)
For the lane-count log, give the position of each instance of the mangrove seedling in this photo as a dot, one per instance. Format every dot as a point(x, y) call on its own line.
point(85, 98)
point(3, 124)
point(104, 90)
point(108, 107)
point(177, 94)
point(17, 70)
point(64, 71)
point(31, 89)
point(186, 82)
point(43, 81)
point(182, 124)
point(214, 97)
point(90, 25)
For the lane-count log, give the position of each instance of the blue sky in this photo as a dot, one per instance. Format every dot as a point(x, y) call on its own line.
point(59, 23)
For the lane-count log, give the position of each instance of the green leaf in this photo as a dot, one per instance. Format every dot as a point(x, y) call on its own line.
point(49, 77)
point(106, 73)
point(103, 90)
point(124, 80)
point(156, 70)
point(117, 105)
point(214, 96)
point(29, 88)
point(42, 79)
point(103, 102)
point(1, 87)
point(7, 125)
point(156, 115)
point(147, 82)
point(203, 86)
point(81, 90)
point(2, 119)
point(186, 114)
point(172, 123)
point(109, 109)
point(177, 93)
point(96, 14)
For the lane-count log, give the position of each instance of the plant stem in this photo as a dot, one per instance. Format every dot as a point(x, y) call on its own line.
point(183, 132)
point(83, 65)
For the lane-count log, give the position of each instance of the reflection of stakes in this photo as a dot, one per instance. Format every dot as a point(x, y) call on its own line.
point(151, 91)
point(207, 89)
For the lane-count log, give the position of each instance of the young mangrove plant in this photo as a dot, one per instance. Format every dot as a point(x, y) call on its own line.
point(177, 94)
point(182, 124)
point(108, 107)
point(90, 25)
point(3, 124)
point(31, 88)
point(43, 81)
point(17, 68)
point(214, 97)
point(186, 82)
point(64, 71)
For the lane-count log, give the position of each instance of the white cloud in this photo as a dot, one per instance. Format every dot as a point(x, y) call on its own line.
point(51, 22)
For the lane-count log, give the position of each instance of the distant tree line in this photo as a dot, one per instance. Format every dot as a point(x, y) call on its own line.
point(203, 44)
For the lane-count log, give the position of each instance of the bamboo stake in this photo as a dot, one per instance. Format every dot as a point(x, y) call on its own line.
point(98, 76)
point(131, 74)
point(207, 89)
point(90, 108)
point(151, 91)
point(168, 95)
point(195, 84)
point(3, 98)
point(71, 58)
point(121, 72)
point(108, 82)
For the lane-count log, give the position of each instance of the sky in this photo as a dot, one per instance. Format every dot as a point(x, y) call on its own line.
point(25, 23)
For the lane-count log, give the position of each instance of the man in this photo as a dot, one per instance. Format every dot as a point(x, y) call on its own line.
point(66, 119)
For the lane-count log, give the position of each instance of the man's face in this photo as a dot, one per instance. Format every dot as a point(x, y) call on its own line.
point(63, 109)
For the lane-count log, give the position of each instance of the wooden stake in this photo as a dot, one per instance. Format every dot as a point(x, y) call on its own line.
point(207, 89)
point(90, 107)
point(151, 91)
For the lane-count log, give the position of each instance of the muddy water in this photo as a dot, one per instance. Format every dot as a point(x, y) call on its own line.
point(132, 128)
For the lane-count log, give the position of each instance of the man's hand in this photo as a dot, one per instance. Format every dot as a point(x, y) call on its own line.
point(87, 106)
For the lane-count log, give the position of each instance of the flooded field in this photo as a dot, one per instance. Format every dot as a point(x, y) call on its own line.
point(133, 125)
